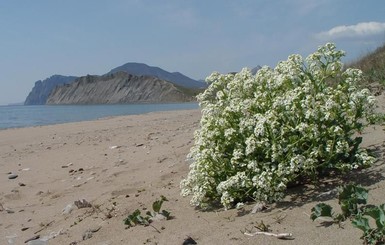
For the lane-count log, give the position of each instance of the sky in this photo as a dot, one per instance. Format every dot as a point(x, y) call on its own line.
point(41, 38)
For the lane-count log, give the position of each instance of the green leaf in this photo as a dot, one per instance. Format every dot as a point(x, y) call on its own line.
point(378, 214)
point(361, 223)
point(321, 210)
point(166, 214)
point(150, 213)
point(361, 195)
point(127, 221)
point(354, 194)
point(349, 198)
point(157, 205)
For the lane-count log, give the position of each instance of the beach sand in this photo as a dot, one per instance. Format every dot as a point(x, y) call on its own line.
point(121, 164)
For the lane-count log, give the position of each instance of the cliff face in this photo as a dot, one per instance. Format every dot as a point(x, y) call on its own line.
point(117, 88)
point(42, 89)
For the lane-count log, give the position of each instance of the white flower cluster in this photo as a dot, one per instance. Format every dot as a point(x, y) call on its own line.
point(260, 132)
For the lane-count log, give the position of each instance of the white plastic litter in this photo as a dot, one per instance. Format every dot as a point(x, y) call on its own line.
point(68, 209)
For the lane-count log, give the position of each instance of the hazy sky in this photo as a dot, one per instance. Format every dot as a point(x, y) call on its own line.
point(41, 38)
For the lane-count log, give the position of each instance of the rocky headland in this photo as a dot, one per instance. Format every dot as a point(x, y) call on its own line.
point(129, 83)
point(117, 88)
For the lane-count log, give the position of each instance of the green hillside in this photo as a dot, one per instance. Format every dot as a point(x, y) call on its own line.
point(373, 66)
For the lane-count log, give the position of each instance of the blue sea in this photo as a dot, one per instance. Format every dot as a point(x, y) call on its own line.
point(17, 116)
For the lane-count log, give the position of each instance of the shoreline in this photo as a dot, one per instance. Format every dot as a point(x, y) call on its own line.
point(125, 163)
point(81, 113)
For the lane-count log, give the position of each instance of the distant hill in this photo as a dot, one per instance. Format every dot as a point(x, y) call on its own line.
point(255, 69)
point(373, 66)
point(117, 88)
point(190, 87)
point(177, 78)
point(42, 89)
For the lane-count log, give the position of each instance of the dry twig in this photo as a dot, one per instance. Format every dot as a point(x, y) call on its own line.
point(279, 235)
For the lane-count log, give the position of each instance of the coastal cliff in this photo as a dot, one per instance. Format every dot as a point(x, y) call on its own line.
point(117, 88)
point(42, 89)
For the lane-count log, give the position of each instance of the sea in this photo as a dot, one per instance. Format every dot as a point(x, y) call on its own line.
point(19, 116)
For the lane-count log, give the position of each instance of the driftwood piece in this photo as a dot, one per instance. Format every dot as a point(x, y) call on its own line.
point(284, 236)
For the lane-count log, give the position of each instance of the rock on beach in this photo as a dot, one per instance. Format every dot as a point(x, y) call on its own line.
point(12, 176)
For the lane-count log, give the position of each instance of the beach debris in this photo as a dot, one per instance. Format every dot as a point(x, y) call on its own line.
point(79, 204)
point(89, 232)
point(51, 235)
point(11, 238)
point(37, 242)
point(32, 238)
point(82, 204)
point(189, 241)
point(68, 209)
point(114, 147)
point(284, 236)
point(140, 144)
point(67, 165)
point(1, 207)
point(43, 226)
point(332, 192)
point(260, 206)
point(21, 184)
point(12, 176)
point(39, 193)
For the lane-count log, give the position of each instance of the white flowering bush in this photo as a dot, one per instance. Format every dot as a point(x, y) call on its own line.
point(259, 133)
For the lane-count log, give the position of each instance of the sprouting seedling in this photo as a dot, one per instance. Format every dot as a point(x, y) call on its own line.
point(136, 218)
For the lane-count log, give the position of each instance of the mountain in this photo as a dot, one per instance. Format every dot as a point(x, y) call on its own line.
point(176, 78)
point(255, 69)
point(117, 88)
point(190, 87)
point(42, 89)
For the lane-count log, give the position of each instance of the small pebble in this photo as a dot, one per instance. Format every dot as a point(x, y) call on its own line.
point(12, 176)
point(21, 184)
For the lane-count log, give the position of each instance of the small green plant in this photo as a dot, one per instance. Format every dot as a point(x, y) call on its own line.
point(156, 206)
point(371, 235)
point(353, 200)
point(136, 218)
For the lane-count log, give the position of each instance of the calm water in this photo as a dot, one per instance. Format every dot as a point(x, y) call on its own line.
point(26, 116)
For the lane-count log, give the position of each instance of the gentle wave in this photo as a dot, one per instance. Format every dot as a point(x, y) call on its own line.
point(37, 115)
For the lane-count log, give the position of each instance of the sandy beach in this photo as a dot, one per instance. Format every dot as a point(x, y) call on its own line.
point(121, 164)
